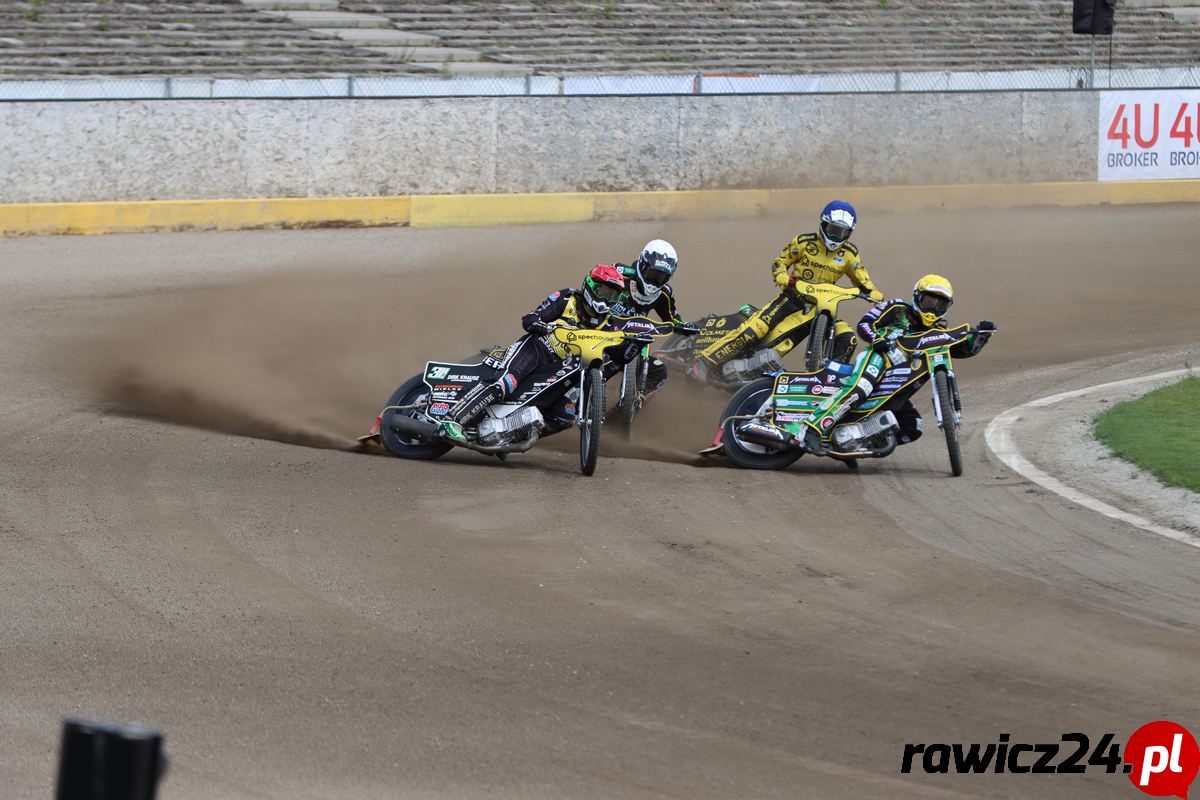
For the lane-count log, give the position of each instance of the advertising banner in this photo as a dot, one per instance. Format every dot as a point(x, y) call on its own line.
point(1149, 135)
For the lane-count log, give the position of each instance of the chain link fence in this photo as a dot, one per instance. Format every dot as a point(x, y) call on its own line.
point(542, 85)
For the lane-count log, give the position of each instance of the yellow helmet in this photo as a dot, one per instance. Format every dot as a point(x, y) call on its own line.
point(932, 297)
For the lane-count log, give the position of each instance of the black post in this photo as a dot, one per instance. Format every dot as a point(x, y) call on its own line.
point(103, 761)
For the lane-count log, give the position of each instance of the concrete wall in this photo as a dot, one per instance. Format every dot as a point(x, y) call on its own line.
point(154, 150)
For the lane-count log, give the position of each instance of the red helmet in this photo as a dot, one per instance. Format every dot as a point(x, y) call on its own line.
point(602, 286)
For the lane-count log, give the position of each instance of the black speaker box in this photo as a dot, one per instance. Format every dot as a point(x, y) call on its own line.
point(1093, 17)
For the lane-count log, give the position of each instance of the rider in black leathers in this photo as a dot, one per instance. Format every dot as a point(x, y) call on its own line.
point(587, 307)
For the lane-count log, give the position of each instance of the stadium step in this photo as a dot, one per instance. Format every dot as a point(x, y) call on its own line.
point(379, 37)
point(1161, 4)
point(334, 19)
point(1186, 14)
point(474, 69)
point(419, 55)
point(292, 5)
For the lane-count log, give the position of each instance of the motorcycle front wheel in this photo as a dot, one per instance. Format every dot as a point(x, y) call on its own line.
point(748, 401)
point(820, 344)
point(631, 394)
point(591, 415)
point(941, 385)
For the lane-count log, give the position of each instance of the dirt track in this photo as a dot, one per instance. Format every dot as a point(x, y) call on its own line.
point(310, 623)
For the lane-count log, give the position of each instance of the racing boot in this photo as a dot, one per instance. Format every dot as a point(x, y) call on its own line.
point(763, 361)
point(734, 342)
point(843, 347)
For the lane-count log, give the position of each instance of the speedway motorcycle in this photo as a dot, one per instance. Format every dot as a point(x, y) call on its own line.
point(762, 426)
point(819, 311)
point(549, 400)
point(634, 372)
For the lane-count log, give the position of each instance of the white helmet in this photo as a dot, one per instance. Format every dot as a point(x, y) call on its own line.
point(653, 268)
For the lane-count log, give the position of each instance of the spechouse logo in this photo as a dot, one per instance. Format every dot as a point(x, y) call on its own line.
point(1161, 758)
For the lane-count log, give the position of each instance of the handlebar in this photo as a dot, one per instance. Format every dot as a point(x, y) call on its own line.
point(643, 337)
point(791, 288)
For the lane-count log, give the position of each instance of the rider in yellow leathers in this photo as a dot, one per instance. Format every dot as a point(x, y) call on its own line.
point(822, 257)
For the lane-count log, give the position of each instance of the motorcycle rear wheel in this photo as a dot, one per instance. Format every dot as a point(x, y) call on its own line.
point(941, 385)
point(747, 401)
point(591, 416)
point(409, 392)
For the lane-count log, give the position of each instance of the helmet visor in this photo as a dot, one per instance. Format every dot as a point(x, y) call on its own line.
point(657, 274)
point(931, 303)
point(835, 231)
point(604, 292)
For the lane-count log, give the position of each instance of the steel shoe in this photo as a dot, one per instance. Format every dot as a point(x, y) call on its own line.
point(451, 431)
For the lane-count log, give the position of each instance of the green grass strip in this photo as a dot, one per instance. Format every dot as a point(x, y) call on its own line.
point(1159, 432)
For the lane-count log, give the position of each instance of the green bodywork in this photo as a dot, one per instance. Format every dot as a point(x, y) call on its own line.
point(794, 396)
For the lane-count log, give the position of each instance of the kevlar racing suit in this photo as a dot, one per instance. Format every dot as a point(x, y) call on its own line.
point(664, 306)
point(883, 317)
point(533, 350)
point(804, 258)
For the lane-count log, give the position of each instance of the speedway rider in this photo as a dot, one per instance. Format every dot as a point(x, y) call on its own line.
point(821, 257)
point(646, 290)
point(587, 307)
point(931, 299)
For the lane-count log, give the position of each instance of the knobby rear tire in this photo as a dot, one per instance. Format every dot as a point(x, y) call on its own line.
point(748, 400)
point(408, 393)
point(592, 391)
point(941, 385)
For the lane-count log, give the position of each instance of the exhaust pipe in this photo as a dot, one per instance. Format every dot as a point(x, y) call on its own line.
point(766, 435)
point(412, 427)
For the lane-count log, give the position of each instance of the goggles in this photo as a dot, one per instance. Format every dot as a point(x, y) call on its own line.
point(604, 292)
point(835, 231)
point(657, 274)
point(933, 303)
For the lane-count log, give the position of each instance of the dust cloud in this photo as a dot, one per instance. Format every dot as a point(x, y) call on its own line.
point(308, 355)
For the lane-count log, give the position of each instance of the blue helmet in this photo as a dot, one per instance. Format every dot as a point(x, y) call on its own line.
point(837, 223)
